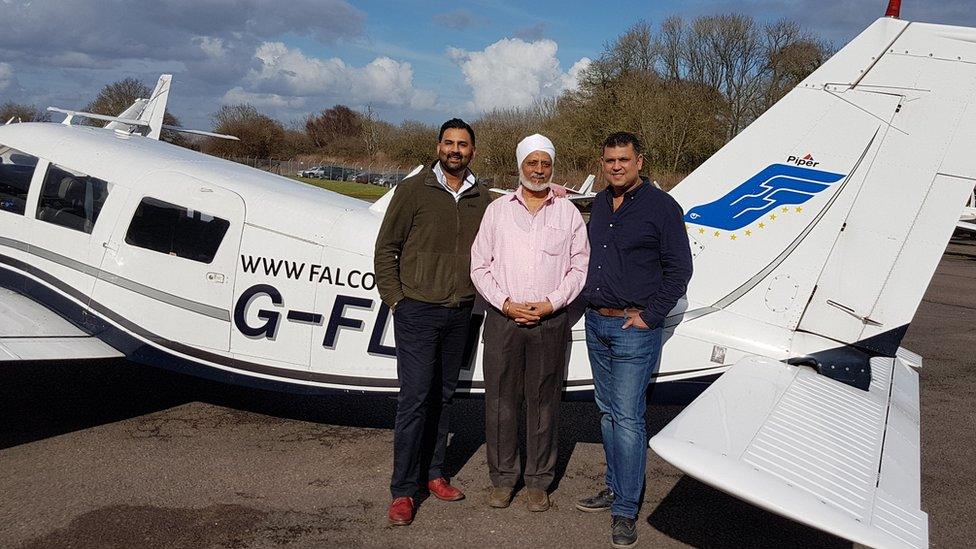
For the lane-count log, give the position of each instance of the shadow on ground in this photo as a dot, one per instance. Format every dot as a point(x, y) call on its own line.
point(701, 516)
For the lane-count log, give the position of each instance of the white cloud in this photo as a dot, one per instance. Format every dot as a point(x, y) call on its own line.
point(570, 80)
point(515, 73)
point(287, 72)
point(6, 75)
point(273, 101)
point(213, 47)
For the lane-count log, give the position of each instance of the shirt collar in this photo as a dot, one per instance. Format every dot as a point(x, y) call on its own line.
point(469, 178)
point(517, 195)
point(632, 193)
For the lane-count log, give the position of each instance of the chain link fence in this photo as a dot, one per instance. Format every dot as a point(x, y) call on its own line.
point(383, 174)
point(389, 174)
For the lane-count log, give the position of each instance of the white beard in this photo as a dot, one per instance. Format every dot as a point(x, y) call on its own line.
point(532, 185)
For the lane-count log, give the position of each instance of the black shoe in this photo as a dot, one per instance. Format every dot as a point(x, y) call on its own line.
point(623, 532)
point(597, 503)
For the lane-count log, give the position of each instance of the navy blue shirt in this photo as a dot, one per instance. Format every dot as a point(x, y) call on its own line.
point(639, 254)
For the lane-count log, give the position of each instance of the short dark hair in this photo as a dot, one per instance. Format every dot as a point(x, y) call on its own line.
point(458, 124)
point(622, 139)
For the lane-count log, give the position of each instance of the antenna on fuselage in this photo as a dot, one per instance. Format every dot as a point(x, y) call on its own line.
point(894, 9)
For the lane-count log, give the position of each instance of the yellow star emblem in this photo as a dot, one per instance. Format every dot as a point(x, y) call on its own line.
point(785, 209)
point(748, 233)
point(799, 209)
point(762, 225)
point(718, 233)
point(701, 231)
point(773, 217)
point(732, 236)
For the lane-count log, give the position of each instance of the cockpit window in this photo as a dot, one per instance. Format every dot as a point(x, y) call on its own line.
point(16, 170)
point(175, 230)
point(71, 199)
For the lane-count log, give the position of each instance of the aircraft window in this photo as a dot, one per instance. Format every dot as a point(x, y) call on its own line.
point(16, 170)
point(175, 230)
point(71, 199)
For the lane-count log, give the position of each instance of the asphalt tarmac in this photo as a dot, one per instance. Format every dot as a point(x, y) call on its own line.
point(115, 454)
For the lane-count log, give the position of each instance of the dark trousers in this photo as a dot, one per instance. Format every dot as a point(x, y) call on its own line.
point(523, 363)
point(430, 342)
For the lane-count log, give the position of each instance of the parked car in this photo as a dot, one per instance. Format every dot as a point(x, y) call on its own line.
point(391, 179)
point(314, 172)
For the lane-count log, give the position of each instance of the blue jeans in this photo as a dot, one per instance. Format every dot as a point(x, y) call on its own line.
point(622, 362)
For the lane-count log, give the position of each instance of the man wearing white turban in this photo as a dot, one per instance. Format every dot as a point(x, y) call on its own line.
point(529, 262)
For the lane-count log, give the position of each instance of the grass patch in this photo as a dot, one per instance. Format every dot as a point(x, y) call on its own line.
point(348, 188)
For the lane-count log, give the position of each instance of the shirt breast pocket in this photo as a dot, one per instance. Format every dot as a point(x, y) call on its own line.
point(555, 241)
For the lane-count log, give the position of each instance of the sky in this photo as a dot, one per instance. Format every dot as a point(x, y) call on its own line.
point(405, 60)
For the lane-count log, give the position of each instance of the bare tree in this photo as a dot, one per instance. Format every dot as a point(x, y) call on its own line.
point(260, 135)
point(634, 51)
point(335, 128)
point(791, 56)
point(22, 112)
point(414, 143)
point(370, 131)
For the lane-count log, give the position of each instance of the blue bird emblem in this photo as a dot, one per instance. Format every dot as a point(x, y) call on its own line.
point(774, 186)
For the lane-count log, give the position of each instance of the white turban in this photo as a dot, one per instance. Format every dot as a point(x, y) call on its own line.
point(532, 143)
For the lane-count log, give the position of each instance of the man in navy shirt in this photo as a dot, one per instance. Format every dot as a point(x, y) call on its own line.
point(640, 264)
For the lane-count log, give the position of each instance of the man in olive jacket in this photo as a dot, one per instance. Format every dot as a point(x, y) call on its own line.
point(422, 264)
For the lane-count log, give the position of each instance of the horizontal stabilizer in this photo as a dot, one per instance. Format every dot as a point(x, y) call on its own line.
point(200, 132)
point(81, 114)
point(30, 331)
point(803, 446)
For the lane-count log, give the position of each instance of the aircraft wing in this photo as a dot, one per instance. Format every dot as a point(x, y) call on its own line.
point(801, 445)
point(29, 331)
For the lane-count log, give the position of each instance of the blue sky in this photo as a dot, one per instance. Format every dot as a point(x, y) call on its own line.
point(406, 60)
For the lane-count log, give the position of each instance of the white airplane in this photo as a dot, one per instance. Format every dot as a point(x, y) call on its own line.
point(815, 233)
point(585, 192)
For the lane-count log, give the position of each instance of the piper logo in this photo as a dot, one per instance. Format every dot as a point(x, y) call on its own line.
point(805, 161)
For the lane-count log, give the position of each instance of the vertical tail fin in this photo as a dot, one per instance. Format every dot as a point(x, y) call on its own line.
point(587, 185)
point(830, 212)
point(149, 110)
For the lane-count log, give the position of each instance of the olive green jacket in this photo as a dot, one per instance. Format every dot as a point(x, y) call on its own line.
point(423, 250)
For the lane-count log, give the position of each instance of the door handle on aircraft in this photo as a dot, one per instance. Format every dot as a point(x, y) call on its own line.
point(110, 246)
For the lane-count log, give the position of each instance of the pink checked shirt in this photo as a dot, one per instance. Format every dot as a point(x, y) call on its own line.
point(530, 258)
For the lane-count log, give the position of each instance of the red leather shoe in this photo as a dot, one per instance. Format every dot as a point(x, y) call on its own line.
point(444, 491)
point(401, 511)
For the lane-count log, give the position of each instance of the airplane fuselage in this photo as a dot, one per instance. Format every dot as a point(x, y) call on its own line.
point(284, 293)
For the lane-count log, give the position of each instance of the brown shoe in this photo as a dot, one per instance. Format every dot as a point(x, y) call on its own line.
point(442, 490)
point(538, 500)
point(400, 512)
point(501, 496)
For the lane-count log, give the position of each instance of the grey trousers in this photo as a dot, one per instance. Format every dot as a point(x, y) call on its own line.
point(523, 363)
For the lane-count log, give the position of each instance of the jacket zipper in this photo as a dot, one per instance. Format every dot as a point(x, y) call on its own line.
point(457, 244)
